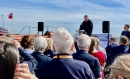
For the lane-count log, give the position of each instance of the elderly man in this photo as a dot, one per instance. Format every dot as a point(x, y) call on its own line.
point(63, 66)
point(84, 42)
point(40, 44)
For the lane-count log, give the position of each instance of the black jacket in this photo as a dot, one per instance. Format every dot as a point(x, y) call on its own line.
point(127, 35)
point(90, 60)
point(87, 27)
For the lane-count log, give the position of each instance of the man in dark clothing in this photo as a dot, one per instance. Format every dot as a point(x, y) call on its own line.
point(126, 31)
point(87, 25)
point(119, 50)
point(84, 41)
point(63, 66)
point(109, 47)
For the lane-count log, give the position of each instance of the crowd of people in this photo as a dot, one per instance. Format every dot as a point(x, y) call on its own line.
point(58, 57)
point(64, 57)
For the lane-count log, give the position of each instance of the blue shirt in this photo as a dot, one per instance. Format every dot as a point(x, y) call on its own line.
point(65, 68)
point(125, 33)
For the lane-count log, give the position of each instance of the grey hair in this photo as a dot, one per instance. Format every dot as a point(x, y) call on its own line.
point(62, 41)
point(84, 41)
point(40, 44)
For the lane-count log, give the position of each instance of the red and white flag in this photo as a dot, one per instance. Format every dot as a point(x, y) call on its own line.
point(10, 16)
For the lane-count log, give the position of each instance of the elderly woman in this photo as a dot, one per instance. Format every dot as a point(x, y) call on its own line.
point(40, 44)
point(27, 43)
point(49, 51)
point(120, 68)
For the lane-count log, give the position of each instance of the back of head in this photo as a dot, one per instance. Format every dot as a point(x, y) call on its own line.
point(40, 44)
point(96, 36)
point(9, 57)
point(63, 41)
point(123, 40)
point(50, 44)
point(113, 39)
point(83, 41)
point(97, 40)
point(26, 41)
point(6, 39)
point(121, 66)
point(93, 44)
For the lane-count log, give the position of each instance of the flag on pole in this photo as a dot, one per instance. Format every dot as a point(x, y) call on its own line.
point(10, 16)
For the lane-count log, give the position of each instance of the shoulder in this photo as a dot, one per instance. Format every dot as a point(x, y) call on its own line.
point(114, 48)
point(90, 20)
point(47, 58)
point(80, 63)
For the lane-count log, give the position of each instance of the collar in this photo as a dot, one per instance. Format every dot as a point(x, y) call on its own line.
point(38, 52)
point(82, 51)
point(62, 56)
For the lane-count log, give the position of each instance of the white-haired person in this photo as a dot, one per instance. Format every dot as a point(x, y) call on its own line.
point(63, 66)
point(40, 44)
point(120, 68)
point(84, 42)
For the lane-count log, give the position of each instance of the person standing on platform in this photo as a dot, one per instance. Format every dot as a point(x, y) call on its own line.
point(126, 31)
point(87, 25)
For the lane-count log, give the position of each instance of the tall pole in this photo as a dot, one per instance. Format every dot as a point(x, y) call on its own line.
point(3, 20)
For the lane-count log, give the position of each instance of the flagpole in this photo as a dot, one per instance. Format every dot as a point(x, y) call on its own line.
point(12, 22)
point(3, 20)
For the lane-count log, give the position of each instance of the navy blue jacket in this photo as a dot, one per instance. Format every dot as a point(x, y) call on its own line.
point(65, 68)
point(40, 57)
point(76, 46)
point(128, 50)
point(28, 59)
point(127, 35)
point(49, 53)
point(108, 49)
point(90, 60)
point(116, 51)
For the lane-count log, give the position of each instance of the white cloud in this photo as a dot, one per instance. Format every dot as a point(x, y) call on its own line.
point(70, 11)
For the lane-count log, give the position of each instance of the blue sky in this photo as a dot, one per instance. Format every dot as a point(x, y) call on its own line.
point(66, 13)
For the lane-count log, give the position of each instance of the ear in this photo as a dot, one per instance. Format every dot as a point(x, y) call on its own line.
point(88, 47)
point(72, 47)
